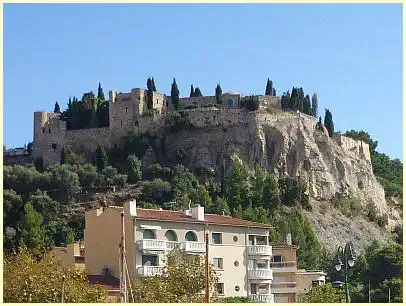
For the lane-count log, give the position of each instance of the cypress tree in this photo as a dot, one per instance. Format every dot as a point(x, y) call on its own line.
point(57, 109)
point(219, 93)
point(294, 99)
point(150, 87)
point(102, 159)
point(285, 101)
point(175, 95)
point(307, 108)
point(63, 156)
point(198, 93)
point(315, 105)
point(192, 91)
point(153, 85)
point(100, 93)
point(149, 84)
point(328, 122)
point(274, 92)
point(269, 88)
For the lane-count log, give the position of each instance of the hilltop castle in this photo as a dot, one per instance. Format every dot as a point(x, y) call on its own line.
point(126, 111)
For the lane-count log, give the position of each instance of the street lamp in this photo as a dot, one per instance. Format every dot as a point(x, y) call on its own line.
point(348, 256)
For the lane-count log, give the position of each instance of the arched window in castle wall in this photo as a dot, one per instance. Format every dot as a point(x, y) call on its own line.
point(171, 236)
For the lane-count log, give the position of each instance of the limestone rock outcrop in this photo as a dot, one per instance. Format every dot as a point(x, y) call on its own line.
point(287, 144)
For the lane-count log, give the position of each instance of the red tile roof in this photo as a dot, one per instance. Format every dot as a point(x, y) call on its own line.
point(108, 282)
point(178, 216)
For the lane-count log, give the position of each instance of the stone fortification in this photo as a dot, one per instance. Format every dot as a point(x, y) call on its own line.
point(283, 142)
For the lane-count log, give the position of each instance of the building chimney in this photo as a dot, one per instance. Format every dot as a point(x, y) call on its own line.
point(198, 213)
point(133, 208)
point(289, 239)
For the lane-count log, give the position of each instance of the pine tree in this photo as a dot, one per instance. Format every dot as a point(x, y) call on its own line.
point(175, 95)
point(100, 93)
point(328, 122)
point(315, 105)
point(102, 159)
point(219, 93)
point(192, 91)
point(153, 85)
point(198, 93)
point(269, 88)
point(57, 109)
point(271, 198)
point(307, 107)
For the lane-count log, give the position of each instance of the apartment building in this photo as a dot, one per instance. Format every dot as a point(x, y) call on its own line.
point(238, 249)
point(289, 282)
point(71, 255)
point(246, 264)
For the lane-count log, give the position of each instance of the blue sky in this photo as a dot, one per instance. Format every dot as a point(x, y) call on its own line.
point(351, 55)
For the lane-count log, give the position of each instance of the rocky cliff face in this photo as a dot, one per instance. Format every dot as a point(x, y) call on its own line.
point(287, 144)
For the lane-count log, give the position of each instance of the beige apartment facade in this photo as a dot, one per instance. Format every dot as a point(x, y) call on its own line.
point(246, 264)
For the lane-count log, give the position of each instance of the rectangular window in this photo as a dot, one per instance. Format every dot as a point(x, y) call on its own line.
point(261, 240)
point(220, 288)
point(121, 123)
point(126, 110)
point(216, 238)
point(49, 131)
point(253, 288)
point(218, 263)
point(149, 260)
point(277, 258)
point(54, 146)
point(251, 239)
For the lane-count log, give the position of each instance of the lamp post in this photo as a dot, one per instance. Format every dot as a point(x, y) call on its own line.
point(346, 255)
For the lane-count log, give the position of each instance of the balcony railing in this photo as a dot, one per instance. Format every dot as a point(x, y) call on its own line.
point(148, 271)
point(284, 287)
point(170, 245)
point(262, 298)
point(284, 266)
point(152, 244)
point(260, 274)
point(192, 246)
point(260, 250)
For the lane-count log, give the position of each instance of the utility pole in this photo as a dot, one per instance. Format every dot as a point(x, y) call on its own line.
point(389, 294)
point(123, 279)
point(63, 289)
point(369, 291)
point(207, 269)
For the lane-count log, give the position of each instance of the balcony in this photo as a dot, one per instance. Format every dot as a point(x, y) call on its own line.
point(262, 298)
point(284, 266)
point(170, 245)
point(260, 274)
point(193, 247)
point(148, 271)
point(152, 245)
point(264, 250)
point(285, 287)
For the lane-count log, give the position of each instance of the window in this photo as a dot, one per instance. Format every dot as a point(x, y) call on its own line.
point(262, 264)
point(54, 146)
point(43, 131)
point(218, 263)
point(216, 237)
point(220, 288)
point(121, 123)
point(126, 110)
point(235, 238)
point(49, 131)
point(261, 240)
point(171, 236)
point(236, 263)
point(148, 234)
point(253, 288)
point(190, 236)
point(277, 258)
point(237, 288)
point(149, 260)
